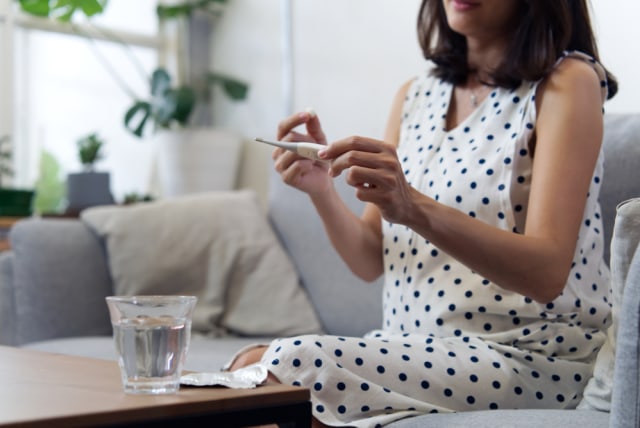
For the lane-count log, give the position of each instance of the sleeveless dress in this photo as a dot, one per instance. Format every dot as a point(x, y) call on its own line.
point(452, 340)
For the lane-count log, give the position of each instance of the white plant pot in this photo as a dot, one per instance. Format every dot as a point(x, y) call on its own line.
point(197, 160)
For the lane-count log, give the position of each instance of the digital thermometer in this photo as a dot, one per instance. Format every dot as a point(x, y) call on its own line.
point(304, 149)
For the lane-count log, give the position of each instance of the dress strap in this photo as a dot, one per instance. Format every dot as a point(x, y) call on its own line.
point(599, 69)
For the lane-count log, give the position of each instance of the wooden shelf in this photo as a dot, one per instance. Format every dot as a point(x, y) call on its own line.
point(5, 225)
point(7, 222)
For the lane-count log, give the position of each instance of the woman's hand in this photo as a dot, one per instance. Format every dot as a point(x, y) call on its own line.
point(375, 171)
point(304, 174)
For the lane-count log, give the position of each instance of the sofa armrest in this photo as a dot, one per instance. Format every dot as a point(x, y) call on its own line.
point(625, 401)
point(58, 279)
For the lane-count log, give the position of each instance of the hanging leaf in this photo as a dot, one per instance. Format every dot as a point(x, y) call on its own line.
point(185, 100)
point(236, 89)
point(141, 110)
point(167, 105)
point(160, 82)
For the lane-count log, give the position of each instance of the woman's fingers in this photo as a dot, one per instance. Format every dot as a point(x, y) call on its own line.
point(312, 124)
point(314, 128)
point(361, 152)
point(288, 124)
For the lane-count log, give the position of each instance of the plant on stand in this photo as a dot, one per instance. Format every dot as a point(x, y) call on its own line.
point(13, 202)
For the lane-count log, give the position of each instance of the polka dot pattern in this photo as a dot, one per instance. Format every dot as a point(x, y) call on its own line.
point(452, 340)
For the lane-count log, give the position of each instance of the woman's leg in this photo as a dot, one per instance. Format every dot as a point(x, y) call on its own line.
point(253, 356)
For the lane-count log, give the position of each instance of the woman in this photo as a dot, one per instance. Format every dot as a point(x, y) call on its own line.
point(481, 213)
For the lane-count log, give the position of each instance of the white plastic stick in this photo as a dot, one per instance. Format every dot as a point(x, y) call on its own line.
point(304, 149)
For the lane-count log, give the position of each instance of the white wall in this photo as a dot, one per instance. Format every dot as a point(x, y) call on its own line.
point(350, 59)
point(350, 56)
point(617, 24)
point(247, 45)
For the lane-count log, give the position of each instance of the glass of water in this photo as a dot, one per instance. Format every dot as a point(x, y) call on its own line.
point(151, 335)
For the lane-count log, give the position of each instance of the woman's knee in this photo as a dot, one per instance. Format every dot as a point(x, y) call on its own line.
point(249, 357)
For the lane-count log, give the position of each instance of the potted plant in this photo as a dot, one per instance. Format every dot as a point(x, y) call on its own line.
point(13, 202)
point(192, 155)
point(89, 187)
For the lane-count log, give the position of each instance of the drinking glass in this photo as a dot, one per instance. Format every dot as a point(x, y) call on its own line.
point(151, 335)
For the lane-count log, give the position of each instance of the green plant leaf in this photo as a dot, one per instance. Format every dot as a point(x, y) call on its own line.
point(170, 103)
point(170, 12)
point(236, 89)
point(92, 7)
point(160, 82)
point(36, 7)
point(139, 107)
point(90, 149)
point(167, 104)
point(50, 187)
point(62, 10)
point(163, 107)
point(186, 8)
point(185, 100)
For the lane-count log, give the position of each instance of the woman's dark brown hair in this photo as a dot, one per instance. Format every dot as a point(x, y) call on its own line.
point(545, 29)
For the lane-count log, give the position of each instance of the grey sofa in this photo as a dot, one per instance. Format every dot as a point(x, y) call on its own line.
point(54, 281)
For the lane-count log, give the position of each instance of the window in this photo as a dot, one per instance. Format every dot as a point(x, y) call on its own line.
point(58, 86)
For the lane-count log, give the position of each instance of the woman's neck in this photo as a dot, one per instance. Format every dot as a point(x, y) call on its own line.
point(484, 56)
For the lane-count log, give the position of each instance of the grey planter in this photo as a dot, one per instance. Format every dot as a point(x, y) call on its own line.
point(88, 189)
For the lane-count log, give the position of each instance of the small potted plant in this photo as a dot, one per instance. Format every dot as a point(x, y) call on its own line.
point(13, 202)
point(90, 151)
point(89, 187)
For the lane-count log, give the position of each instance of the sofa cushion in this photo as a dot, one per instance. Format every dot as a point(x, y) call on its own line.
point(625, 239)
point(521, 418)
point(625, 408)
point(60, 280)
point(217, 246)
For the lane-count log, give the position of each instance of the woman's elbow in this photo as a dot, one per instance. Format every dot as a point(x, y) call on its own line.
point(549, 287)
point(368, 274)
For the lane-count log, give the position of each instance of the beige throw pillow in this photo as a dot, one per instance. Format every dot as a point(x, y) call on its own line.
point(217, 246)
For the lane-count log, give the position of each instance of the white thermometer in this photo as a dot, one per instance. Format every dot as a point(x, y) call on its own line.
point(304, 149)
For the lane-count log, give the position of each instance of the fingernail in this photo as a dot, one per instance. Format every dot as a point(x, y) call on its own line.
point(322, 153)
point(311, 111)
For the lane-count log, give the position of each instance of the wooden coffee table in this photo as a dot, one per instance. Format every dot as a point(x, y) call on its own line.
point(40, 389)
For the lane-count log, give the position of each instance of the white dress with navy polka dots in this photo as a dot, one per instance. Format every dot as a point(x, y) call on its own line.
point(452, 340)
